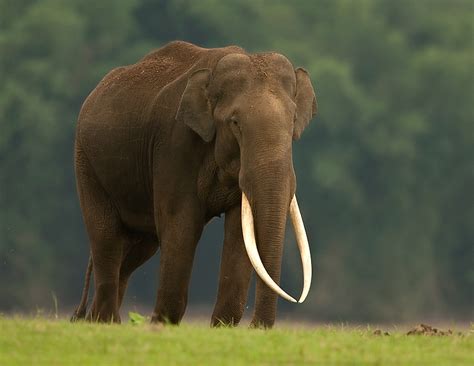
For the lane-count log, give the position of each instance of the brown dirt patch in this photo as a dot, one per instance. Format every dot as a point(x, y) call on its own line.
point(423, 329)
point(379, 332)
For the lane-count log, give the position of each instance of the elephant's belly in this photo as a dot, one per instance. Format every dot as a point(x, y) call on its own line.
point(141, 222)
point(124, 175)
point(134, 201)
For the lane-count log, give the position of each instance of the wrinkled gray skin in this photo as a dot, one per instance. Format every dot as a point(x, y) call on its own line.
point(164, 145)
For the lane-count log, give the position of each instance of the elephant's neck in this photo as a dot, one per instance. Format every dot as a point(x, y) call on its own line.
point(216, 189)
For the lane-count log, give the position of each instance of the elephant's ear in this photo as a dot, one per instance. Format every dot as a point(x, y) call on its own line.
point(194, 109)
point(306, 105)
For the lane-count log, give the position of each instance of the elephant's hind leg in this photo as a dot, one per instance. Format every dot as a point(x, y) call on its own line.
point(107, 240)
point(107, 255)
point(81, 310)
point(137, 253)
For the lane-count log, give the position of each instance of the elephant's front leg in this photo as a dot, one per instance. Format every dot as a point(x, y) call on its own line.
point(235, 273)
point(179, 237)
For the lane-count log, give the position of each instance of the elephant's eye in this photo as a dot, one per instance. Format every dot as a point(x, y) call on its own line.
point(233, 120)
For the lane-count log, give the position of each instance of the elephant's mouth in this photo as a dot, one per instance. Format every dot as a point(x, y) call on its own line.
point(301, 239)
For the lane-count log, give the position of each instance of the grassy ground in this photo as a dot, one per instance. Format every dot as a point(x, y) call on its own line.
point(58, 342)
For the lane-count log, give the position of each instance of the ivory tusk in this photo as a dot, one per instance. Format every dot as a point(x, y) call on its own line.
point(303, 246)
point(248, 232)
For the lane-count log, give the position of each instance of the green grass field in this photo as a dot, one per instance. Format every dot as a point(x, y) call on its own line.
point(58, 342)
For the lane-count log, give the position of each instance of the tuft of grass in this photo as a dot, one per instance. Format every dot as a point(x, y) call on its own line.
point(136, 318)
point(57, 342)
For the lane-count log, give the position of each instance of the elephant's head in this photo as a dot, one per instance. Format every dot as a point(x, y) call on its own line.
point(254, 106)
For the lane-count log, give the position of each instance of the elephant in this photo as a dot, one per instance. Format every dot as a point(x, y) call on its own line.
point(166, 144)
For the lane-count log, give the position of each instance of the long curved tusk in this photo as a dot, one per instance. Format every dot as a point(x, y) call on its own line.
point(303, 246)
point(251, 248)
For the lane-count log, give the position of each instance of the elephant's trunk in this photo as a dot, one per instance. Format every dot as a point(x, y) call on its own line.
point(248, 229)
point(266, 202)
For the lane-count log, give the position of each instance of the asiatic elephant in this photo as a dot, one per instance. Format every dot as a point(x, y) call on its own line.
point(186, 134)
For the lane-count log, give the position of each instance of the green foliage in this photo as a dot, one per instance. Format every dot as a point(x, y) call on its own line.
point(385, 172)
point(46, 342)
point(136, 318)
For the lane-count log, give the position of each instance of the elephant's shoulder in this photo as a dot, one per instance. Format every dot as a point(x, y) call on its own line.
point(185, 52)
point(177, 50)
point(112, 76)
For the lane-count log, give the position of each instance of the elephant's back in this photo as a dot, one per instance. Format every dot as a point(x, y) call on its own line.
point(154, 71)
point(122, 120)
point(123, 99)
point(126, 91)
point(138, 83)
point(115, 133)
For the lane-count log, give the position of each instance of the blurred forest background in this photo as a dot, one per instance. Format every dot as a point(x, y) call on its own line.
point(385, 172)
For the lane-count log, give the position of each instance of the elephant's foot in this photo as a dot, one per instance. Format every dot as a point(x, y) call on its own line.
point(166, 318)
point(259, 323)
point(227, 314)
point(217, 322)
point(104, 308)
point(79, 314)
point(103, 316)
point(171, 310)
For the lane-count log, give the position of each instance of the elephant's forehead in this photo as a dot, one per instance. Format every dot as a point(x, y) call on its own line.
point(241, 71)
point(231, 62)
point(266, 64)
point(254, 65)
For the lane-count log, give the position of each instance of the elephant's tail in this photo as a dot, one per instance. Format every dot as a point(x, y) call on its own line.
point(80, 312)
